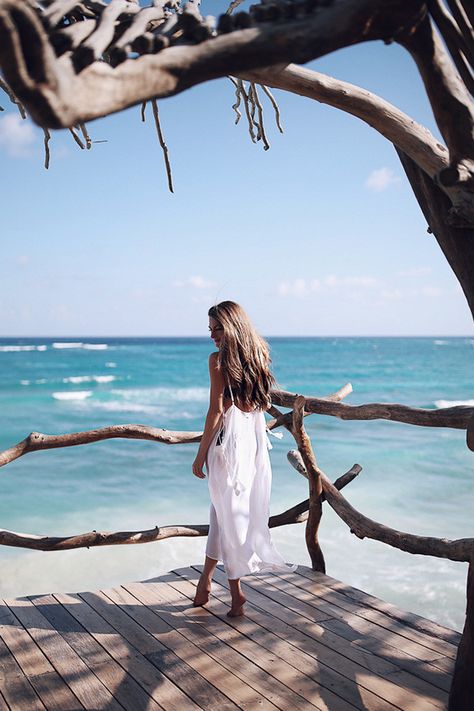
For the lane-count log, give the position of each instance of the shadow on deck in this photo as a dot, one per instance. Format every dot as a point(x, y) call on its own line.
point(307, 641)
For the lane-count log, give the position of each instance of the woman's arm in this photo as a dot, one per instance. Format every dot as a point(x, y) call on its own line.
point(214, 415)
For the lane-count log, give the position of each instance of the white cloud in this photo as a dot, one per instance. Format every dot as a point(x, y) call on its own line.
point(16, 134)
point(198, 282)
point(380, 179)
point(335, 282)
point(392, 294)
point(431, 291)
point(302, 287)
point(415, 272)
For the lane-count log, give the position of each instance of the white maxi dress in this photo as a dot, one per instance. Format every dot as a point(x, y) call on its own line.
point(240, 477)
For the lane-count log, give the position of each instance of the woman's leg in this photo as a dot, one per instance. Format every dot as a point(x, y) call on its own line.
point(238, 599)
point(204, 585)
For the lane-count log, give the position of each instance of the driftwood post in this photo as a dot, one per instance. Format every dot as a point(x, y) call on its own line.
point(461, 697)
point(315, 487)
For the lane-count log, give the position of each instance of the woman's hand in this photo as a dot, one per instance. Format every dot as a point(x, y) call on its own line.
point(197, 468)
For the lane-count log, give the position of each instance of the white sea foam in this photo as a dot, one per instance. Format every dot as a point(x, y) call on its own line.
point(162, 395)
point(454, 403)
point(439, 342)
point(74, 395)
point(25, 382)
point(69, 344)
point(18, 349)
point(110, 365)
point(119, 406)
point(95, 346)
point(89, 379)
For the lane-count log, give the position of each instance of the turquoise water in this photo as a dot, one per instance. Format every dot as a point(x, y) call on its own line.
point(414, 478)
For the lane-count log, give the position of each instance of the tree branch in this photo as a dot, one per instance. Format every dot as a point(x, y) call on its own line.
point(364, 527)
point(58, 97)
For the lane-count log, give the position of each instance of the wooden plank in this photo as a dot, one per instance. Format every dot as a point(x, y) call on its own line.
point(341, 639)
point(370, 601)
point(205, 692)
point(355, 627)
point(182, 677)
point(369, 673)
point(86, 687)
point(51, 688)
point(286, 592)
point(115, 677)
point(145, 673)
point(196, 624)
point(316, 591)
point(14, 686)
point(317, 683)
point(366, 689)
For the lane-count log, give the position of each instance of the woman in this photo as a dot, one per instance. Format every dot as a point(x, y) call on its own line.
point(234, 447)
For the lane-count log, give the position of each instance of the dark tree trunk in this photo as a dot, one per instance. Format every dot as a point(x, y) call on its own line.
point(461, 697)
point(457, 243)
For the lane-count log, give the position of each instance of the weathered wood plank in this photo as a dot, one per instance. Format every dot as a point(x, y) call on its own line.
point(366, 671)
point(221, 677)
point(14, 686)
point(318, 689)
point(145, 673)
point(174, 608)
point(86, 687)
point(315, 591)
point(341, 637)
point(361, 686)
point(202, 690)
point(115, 677)
point(370, 601)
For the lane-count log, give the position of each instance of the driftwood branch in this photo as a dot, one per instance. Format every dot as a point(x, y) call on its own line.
point(295, 514)
point(364, 527)
point(315, 487)
point(37, 441)
point(56, 96)
point(456, 417)
point(462, 688)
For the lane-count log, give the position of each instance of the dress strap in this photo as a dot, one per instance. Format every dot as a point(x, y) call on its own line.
point(231, 393)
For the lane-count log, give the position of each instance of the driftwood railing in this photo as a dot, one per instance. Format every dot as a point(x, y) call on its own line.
point(320, 489)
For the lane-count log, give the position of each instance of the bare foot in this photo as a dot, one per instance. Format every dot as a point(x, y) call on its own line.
point(237, 608)
point(203, 591)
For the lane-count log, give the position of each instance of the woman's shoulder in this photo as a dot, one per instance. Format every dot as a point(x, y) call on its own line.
point(213, 358)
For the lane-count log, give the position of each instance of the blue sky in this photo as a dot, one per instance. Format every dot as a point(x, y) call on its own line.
point(320, 235)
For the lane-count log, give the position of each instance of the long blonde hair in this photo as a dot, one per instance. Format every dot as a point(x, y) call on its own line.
point(244, 356)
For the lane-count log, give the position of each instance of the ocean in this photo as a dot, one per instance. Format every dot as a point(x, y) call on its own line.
point(415, 479)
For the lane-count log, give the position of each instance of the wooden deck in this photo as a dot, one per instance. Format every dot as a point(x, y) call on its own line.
point(307, 641)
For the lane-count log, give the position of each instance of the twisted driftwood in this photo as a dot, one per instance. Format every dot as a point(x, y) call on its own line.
point(295, 514)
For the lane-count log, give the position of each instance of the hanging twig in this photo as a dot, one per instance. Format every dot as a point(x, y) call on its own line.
point(238, 95)
point(276, 108)
point(261, 127)
point(143, 109)
point(86, 136)
point(12, 97)
point(76, 137)
point(247, 110)
point(163, 145)
point(232, 6)
point(47, 138)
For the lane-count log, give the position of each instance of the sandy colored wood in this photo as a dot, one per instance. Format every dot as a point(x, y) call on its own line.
point(14, 686)
point(141, 605)
point(338, 635)
point(92, 694)
point(371, 602)
point(174, 608)
point(332, 649)
point(50, 687)
point(145, 640)
point(116, 678)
